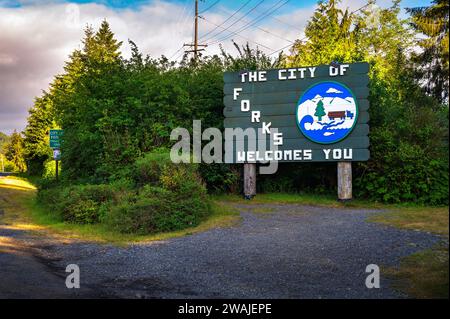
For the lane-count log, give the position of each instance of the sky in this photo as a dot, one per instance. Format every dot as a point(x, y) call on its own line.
point(36, 37)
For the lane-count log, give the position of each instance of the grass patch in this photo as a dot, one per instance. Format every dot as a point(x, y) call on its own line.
point(282, 198)
point(424, 274)
point(20, 210)
point(309, 199)
point(430, 219)
point(13, 193)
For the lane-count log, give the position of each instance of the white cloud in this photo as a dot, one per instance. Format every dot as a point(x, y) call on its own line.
point(333, 90)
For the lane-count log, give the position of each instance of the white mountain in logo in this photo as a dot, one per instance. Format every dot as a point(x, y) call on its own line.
point(331, 104)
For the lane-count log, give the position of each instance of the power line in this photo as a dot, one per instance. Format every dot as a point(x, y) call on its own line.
point(260, 17)
point(272, 9)
point(267, 31)
point(246, 26)
point(285, 47)
point(304, 38)
point(184, 14)
point(227, 19)
point(285, 23)
point(179, 55)
point(245, 14)
point(360, 8)
point(201, 17)
point(182, 19)
point(181, 48)
point(212, 5)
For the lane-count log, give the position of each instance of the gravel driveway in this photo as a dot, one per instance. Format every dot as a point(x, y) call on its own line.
point(278, 251)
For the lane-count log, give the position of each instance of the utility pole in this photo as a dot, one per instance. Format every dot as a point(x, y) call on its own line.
point(195, 44)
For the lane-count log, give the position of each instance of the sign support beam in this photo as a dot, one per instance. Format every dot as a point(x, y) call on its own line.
point(344, 179)
point(56, 173)
point(249, 180)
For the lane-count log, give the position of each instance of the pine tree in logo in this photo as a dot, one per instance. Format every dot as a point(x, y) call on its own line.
point(320, 110)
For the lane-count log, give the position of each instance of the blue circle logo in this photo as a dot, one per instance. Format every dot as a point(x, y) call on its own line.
point(327, 112)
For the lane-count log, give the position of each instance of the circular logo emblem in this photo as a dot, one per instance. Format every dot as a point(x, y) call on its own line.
point(327, 112)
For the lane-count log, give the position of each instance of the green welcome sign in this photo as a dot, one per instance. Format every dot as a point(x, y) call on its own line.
point(317, 113)
point(55, 138)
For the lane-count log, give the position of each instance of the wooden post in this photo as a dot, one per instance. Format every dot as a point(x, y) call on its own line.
point(56, 164)
point(344, 179)
point(249, 180)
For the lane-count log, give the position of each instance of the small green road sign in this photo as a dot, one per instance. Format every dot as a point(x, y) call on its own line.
point(55, 138)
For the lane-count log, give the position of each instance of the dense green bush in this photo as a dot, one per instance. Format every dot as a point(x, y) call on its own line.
point(221, 178)
point(9, 166)
point(414, 179)
point(170, 197)
point(156, 209)
point(402, 171)
point(148, 169)
point(79, 203)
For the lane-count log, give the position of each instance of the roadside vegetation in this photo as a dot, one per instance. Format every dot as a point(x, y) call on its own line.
point(20, 208)
point(154, 195)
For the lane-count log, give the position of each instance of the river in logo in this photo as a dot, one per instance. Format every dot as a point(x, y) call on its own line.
point(327, 112)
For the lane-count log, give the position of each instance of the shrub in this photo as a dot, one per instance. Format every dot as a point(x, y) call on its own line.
point(405, 173)
point(10, 167)
point(148, 169)
point(220, 178)
point(84, 212)
point(79, 204)
point(172, 198)
point(157, 196)
point(49, 169)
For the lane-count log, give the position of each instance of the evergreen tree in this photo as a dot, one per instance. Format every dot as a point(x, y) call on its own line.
point(320, 110)
point(36, 134)
point(433, 62)
point(329, 37)
point(14, 152)
point(4, 139)
point(103, 47)
point(84, 96)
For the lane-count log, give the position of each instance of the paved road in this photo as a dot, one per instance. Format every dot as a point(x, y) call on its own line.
point(282, 251)
point(23, 274)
